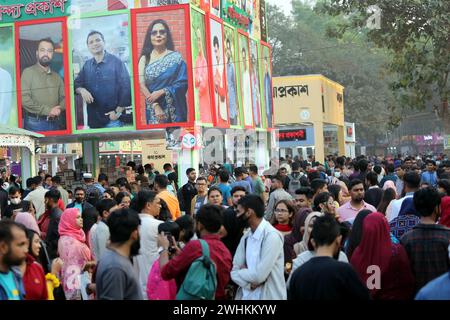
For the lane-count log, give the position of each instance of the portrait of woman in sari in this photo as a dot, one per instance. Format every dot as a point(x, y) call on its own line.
point(163, 76)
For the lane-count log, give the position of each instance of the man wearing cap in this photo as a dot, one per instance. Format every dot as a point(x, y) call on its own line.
point(430, 176)
point(94, 191)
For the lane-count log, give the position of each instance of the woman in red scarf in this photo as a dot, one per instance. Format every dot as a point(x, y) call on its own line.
point(73, 251)
point(445, 212)
point(376, 253)
point(283, 217)
point(33, 274)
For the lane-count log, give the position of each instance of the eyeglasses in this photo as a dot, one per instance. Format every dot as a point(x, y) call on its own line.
point(161, 32)
point(281, 211)
point(201, 184)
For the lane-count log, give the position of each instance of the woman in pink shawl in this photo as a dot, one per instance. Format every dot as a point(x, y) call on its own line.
point(390, 184)
point(28, 221)
point(73, 251)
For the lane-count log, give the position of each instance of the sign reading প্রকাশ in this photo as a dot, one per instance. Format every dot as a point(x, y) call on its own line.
point(21, 10)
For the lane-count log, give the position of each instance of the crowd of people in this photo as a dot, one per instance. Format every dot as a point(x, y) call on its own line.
point(364, 228)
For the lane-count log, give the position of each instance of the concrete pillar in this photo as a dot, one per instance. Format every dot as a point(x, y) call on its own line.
point(91, 156)
point(71, 163)
point(318, 142)
point(341, 139)
point(28, 165)
point(54, 165)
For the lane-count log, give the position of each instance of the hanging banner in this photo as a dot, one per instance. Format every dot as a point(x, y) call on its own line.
point(21, 10)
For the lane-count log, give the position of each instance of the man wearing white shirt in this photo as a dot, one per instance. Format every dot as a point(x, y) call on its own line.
point(37, 197)
point(258, 265)
point(411, 182)
point(149, 206)
point(5, 96)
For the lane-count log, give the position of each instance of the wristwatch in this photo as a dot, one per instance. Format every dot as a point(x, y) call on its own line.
point(161, 250)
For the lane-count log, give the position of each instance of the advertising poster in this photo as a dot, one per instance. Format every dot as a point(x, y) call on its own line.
point(238, 13)
point(266, 79)
point(202, 95)
point(101, 64)
point(158, 3)
point(232, 76)
point(88, 6)
point(8, 104)
point(255, 83)
point(246, 89)
point(256, 20)
point(215, 7)
point(43, 84)
point(262, 20)
point(218, 73)
point(163, 67)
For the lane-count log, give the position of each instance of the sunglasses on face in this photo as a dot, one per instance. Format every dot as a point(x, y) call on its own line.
point(161, 32)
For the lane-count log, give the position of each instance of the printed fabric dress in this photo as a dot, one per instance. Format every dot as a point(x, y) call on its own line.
point(170, 74)
point(74, 255)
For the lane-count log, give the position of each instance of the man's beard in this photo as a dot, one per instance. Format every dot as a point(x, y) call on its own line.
point(9, 260)
point(45, 63)
point(243, 221)
point(134, 250)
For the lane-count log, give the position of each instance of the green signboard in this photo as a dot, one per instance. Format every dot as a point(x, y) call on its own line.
point(21, 10)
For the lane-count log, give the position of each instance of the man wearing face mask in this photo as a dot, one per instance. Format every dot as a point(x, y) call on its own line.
point(323, 277)
point(233, 228)
point(258, 265)
point(16, 204)
point(116, 279)
point(208, 222)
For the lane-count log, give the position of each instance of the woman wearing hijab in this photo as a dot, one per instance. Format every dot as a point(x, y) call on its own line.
point(407, 219)
point(72, 250)
point(298, 229)
point(396, 280)
point(28, 221)
point(310, 253)
point(305, 244)
point(445, 212)
point(356, 233)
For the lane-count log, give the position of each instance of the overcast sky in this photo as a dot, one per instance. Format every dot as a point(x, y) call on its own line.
point(283, 4)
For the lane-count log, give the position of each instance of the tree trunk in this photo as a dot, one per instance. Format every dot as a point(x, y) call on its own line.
point(445, 115)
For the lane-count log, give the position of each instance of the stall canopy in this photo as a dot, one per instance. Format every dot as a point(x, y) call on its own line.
point(16, 137)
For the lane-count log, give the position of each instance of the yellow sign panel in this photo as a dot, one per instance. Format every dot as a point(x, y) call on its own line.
point(155, 152)
point(310, 99)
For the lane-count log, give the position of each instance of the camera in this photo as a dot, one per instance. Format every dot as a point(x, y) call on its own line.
point(169, 236)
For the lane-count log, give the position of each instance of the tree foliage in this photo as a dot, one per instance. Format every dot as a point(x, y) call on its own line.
point(301, 46)
point(417, 35)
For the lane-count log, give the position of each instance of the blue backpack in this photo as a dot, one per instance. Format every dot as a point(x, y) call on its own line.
point(200, 282)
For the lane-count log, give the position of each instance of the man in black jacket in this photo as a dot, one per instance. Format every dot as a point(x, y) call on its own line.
point(3, 199)
point(374, 194)
point(16, 203)
point(80, 200)
point(51, 204)
point(188, 191)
